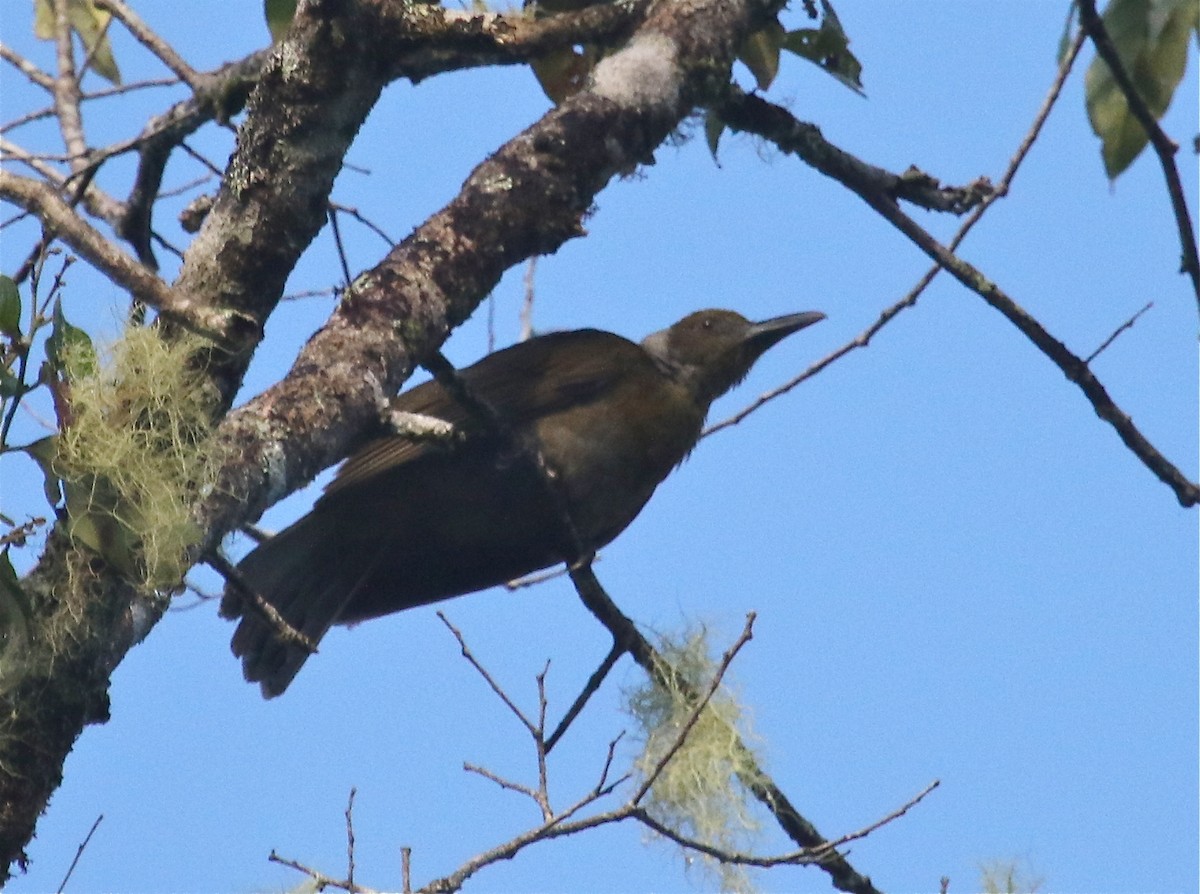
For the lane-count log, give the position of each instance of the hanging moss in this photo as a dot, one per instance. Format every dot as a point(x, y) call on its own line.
point(699, 792)
point(136, 453)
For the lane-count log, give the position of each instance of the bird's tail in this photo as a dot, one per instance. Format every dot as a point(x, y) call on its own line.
point(297, 574)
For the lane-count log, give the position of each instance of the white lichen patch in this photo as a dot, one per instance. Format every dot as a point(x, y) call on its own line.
point(644, 73)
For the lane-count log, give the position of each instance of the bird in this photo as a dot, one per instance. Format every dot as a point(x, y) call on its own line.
point(580, 428)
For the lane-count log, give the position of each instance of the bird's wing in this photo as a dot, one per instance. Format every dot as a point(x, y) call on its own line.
point(522, 383)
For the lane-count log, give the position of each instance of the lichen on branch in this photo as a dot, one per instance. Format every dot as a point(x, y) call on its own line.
point(136, 451)
point(699, 791)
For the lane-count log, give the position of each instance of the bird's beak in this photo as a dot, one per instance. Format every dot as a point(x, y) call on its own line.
point(768, 332)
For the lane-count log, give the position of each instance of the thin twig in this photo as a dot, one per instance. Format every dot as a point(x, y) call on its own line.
point(539, 577)
point(506, 784)
point(491, 681)
point(365, 221)
point(147, 37)
point(79, 853)
point(336, 229)
point(1128, 324)
point(320, 880)
point(279, 625)
point(590, 688)
point(27, 68)
point(800, 857)
point(528, 301)
point(909, 300)
point(419, 427)
point(539, 744)
point(350, 838)
point(105, 93)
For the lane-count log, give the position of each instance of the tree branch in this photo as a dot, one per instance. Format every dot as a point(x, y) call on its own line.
point(750, 113)
point(909, 300)
point(1074, 368)
point(147, 37)
point(27, 68)
point(56, 215)
point(777, 124)
point(66, 88)
point(800, 830)
point(527, 198)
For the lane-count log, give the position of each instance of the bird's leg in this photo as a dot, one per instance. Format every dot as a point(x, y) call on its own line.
point(526, 450)
point(522, 449)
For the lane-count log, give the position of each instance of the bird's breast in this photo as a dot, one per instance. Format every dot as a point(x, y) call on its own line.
point(609, 456)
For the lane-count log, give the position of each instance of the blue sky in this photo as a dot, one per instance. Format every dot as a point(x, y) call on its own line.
point(959, 571)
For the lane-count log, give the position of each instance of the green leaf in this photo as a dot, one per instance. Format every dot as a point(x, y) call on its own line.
point(760, 54)
point(10, 385)
point(15, 612)
point(279, 15)
point(10, 307)
point(93, 519)
point(714, 126)
point(1151, 38)
point(90, 23)
point(43, 452)
point(827, 47)
point(68, 343)
point(43, 19)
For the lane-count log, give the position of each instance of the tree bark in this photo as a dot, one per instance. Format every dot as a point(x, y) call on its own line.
point(315, 92)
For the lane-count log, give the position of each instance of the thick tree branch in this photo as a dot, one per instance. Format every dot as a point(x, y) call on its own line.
point(432, 39)
point(528, 198)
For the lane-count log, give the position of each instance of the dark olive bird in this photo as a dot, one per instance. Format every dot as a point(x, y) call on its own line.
point(406, 523)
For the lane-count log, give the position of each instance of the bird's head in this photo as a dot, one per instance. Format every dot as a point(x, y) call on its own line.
point(710, 351)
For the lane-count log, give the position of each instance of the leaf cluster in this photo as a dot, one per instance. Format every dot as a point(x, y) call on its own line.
point(1151, 38)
